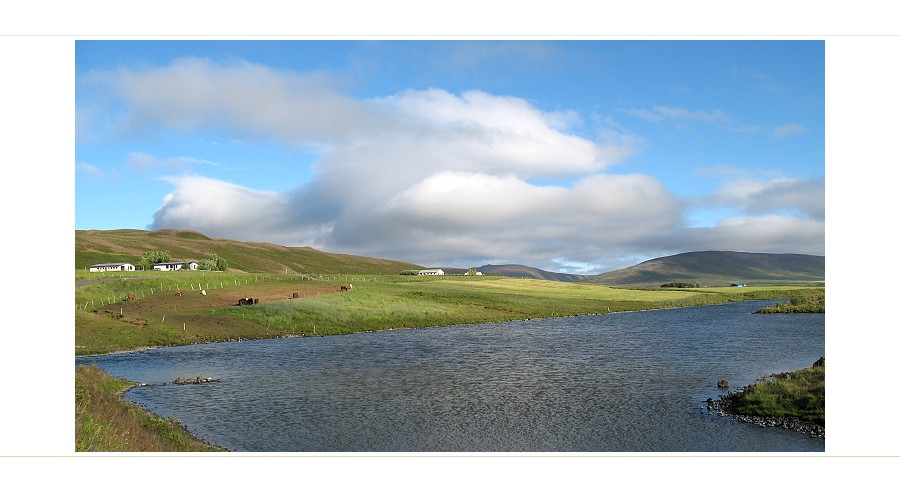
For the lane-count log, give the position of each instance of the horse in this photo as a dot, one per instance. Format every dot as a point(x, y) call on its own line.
point(296, 295)
point(345, 288)
point(178, 293)
point(245, 301)
point(130, 297)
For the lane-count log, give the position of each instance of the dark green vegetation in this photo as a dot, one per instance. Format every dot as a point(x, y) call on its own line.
point(812, 301)
point(680, 285)
point(721, 268)
point(129, 245)
point(104, 422)
point(799, 394)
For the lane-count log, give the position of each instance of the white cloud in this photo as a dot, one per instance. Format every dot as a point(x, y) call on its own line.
point(429, 176)
point(89, 169)
point(789, 129)
point(661, 113)
point(761, 234)
point(761, 197)
point(141, 161)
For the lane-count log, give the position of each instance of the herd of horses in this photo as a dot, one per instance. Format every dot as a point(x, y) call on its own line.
point(249, 301)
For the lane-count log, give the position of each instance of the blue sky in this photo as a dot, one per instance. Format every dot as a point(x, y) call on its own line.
point(572, 156)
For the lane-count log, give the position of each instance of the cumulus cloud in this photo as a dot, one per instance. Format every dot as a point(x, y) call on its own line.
point(806, 197)
point(427, 176)
point(761, 234)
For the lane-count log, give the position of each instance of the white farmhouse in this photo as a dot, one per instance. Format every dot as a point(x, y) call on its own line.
point(170, 266)
point(432, 271)
point(112, 267)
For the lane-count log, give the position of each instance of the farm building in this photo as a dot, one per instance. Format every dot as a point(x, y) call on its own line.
point(112, 267)
point(175, 265)
point(738, 285)
point(432, 271)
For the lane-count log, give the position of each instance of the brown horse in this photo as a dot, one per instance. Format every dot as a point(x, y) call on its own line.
point(345, 288)
point(296, 295)
point(130, 297)
point(178, 293)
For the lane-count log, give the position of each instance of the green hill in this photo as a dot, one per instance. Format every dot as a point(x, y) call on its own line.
point(128, 245)
point(720, 268)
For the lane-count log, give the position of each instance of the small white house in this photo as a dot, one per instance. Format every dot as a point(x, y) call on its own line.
point(432, 271)
point(112, 267)
point(170, 266)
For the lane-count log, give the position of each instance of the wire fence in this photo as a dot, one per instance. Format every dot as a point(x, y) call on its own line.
point(123, 289)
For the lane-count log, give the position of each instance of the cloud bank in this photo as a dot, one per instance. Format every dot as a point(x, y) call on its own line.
point(434, 177)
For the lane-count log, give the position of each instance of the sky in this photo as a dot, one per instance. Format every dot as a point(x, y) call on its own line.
point(571, 156)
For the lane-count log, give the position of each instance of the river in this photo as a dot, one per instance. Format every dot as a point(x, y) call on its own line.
point(622, 382)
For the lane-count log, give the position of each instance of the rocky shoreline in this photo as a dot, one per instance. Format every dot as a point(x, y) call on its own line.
point(724, 406)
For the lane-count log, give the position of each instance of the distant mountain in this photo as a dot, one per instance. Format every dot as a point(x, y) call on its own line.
point(520, 271)
point(128, 245)
point(717, 268)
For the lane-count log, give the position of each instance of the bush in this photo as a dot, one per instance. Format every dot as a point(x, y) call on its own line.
point(680, 285)
point(151, 258)
point(213, 263)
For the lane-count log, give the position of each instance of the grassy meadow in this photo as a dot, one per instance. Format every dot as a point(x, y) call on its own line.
point(106, 322)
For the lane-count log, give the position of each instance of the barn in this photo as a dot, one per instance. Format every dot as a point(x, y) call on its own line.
point(111, 267)
point(431, 271)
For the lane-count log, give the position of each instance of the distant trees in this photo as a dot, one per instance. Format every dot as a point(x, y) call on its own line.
point(213, 263)
point(151, 258)
point(409, 272)
point(680, 285)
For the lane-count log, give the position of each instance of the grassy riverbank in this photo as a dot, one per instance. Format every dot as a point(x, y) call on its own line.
point(799, 394)
point(105, 322)
point(812, 301)
point(206, 311)
point(104, 422)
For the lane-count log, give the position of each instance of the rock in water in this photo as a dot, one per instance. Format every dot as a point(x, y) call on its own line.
point(196, 380)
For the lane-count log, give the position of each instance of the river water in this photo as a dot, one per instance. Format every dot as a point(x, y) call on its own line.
point(622, 382)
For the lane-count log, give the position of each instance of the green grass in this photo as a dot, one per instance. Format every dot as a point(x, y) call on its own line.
point(798, 394)
point(104, 422)
point(805, 302)
point(105, 323)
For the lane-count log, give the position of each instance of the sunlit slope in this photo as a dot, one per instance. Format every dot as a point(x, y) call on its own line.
point(716, 268)
point(129, 244)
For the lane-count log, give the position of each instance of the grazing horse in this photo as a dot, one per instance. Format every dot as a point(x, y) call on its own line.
point(255, 301)
point(178, 293)
point(130, 297)
point(245, 301)
point(296, 295)
point(346, 287)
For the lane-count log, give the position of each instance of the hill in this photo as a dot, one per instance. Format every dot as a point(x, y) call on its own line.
point(522, 271)
point(128, 245)
point(718, 268)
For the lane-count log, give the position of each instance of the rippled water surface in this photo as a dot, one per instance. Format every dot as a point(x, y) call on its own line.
point(625, 382)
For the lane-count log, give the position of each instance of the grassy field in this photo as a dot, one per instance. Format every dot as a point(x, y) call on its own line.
point(103, 422)
point(106, 322)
